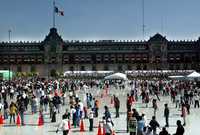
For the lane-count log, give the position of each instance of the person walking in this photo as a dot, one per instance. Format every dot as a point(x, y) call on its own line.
point(184, 113)
point(187, 105)
point(196, 100)
point(67, 114)
point(91, 119)
point(166, 115)
point(64, 126)
point(13, 111)
point(155, 106)
point(53, 118)
point(117, 106)
point(147, 99)
point(177, 100)
point(140, 125)
point(73, 115)
point(180, 129)
point(5, 107)
point(156, 92)
point(96, 108)
point(21, 111)
point(164, 132)
point(154, 125)
point(132, 125)
point(148, 131)
point(107, 113)
point(107, 126)
point(128, 103)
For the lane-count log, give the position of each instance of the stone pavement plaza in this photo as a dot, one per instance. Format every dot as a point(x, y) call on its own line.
point(31, 128)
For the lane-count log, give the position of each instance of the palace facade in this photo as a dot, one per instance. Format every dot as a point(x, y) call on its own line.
point(118, 55)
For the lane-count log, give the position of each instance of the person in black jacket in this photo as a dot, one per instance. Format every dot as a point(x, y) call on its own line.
point(66, 114)
point(57, 102)
point(154, 124)
point(163, 132)
point(166, 115)
point(180, 129)
point(5, 107)
point(21, 110)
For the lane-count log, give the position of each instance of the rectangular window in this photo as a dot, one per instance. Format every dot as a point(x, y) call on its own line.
point(33, 69)
point(94, 68)
point(19, 69)
point(71, 68)
point(82, 68)
point(106, 67)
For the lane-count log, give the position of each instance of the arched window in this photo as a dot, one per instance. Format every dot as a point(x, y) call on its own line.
point(33, 69)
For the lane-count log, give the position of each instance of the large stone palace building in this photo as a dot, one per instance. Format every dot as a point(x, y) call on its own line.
point(119, 55)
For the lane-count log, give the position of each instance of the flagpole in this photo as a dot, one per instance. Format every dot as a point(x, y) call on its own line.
point(54, 19)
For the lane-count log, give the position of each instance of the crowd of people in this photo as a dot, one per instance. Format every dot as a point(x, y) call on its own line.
point(40, 95)
point(183, 95)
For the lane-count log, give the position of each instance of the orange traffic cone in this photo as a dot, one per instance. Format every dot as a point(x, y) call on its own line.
point(18, 120)
point(40, 120)
point(82, 127)
point(69, 124)
point(99, 130)
point(1, 120)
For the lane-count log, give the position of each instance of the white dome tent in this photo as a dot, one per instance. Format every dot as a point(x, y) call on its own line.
point(194, 75)
point(116, 76)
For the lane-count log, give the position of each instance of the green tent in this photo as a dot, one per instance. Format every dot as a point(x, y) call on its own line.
point(4, 74)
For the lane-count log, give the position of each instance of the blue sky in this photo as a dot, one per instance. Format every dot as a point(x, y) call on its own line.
point(100, 19)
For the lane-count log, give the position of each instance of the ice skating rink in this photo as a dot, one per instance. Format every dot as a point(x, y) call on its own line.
point(192, 126)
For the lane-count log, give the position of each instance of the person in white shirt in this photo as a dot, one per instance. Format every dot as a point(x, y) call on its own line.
point(91, 118)
point(12, 92)
point(81, 108)
point(177, 100)
point(64, 125)
point(108, 126)
point(73, 115)
point(196, 100)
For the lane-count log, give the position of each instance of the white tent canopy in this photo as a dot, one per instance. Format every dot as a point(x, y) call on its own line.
point(115, 76)
point(176, 76)
point(194, 75)
point(87, 72)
